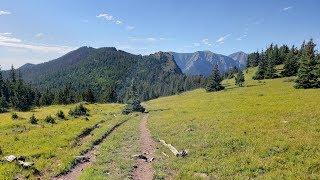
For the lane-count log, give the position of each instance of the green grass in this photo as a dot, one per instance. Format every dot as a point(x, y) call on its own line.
point(266, 129)
point(115, 156)
point(51, 146)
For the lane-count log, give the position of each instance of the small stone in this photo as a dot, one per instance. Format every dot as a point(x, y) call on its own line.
point(25, 164)
point(10, 158)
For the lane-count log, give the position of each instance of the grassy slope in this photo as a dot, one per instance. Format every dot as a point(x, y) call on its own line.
point(267, 129)
point(115, 157)
point(50, 146)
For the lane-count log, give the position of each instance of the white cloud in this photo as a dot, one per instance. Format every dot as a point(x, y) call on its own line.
point(106, 16)
point(130, 28)
point(222, 39)
point(39, 35)
point(206, 42)
point(7, 37)
point(148, 39)
point(111, 18)
point(4, 13)
point(242, 37)
point(287, 8)
point(6, 40)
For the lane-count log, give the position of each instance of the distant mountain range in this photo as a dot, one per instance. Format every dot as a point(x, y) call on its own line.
point(201, 62)
point(105, 68)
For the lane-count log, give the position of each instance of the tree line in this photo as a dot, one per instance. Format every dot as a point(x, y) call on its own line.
point(17, 94)
point(303, 62)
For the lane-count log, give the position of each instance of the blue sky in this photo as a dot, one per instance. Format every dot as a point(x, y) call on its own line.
point(36, 31)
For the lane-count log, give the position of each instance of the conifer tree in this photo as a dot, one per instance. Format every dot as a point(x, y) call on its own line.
point(214, 81)
point(239, 78)
point(291, 64)
point(262, 68)
point(308, 74)
point(88, 96)
point(272, 56)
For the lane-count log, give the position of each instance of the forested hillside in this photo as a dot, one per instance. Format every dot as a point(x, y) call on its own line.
point(108, 72)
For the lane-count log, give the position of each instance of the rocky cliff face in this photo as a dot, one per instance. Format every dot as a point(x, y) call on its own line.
point(241, 57)
point(201, 62)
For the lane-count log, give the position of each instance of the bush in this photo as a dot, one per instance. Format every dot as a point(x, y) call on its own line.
point(14, 116)
point(60, 114)
point(79, 110)
point(3, 110)
point(33, 119)
point(133, 106)
point(50, 119)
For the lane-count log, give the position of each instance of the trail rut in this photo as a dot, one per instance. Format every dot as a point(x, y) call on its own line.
point(144, 169)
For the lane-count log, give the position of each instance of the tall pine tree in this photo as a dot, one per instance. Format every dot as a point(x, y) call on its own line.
point(214, 81)
point(239, 78)
point(291, 63)
point(308, 74)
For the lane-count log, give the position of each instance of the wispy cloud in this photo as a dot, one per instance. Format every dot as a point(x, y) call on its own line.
point(4, 13)
point(106, 16)
point(206, 42)
point(115, 20)
point(287, 8)
point(222, 39)
point(7, 40)
point(242, 37)
point(39, 35)
point(147, 39)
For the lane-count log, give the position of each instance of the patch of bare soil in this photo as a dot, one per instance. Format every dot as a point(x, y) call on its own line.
point(144, 169)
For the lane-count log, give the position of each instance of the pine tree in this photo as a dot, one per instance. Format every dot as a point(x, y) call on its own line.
point(88, 96)
point(308, 74)
point(239, 78)
point(214, 81)
point(272, 56)
point(291, 64)
point(133, 103)
point(262, 68)
point(13, 74)
point(47, 98)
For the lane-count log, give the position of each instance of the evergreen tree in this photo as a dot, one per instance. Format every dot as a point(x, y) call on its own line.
point(214, 81)
point(262, 68)
point(239, 79)
point(291, 64)
point(133, 103)
point(272, 56)
point(13, 74)
point(88, 96)
point(47, 98)
point(308, 73)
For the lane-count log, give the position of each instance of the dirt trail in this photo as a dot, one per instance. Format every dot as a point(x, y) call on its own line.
point(144, 169)
point(89, 156)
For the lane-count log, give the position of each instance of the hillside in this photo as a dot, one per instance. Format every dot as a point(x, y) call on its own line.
point(201, 62)
point(265, 130)
point(107, 69)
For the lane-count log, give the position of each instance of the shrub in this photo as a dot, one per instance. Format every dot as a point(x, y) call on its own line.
point(3, 110)
point(14, 116)
point(79, 110)
point(133, 106)
point(50, 119)
point(33, 119)
point(60, 114)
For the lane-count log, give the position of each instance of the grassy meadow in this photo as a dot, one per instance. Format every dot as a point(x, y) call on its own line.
point(265, 130)
point(52, 147)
